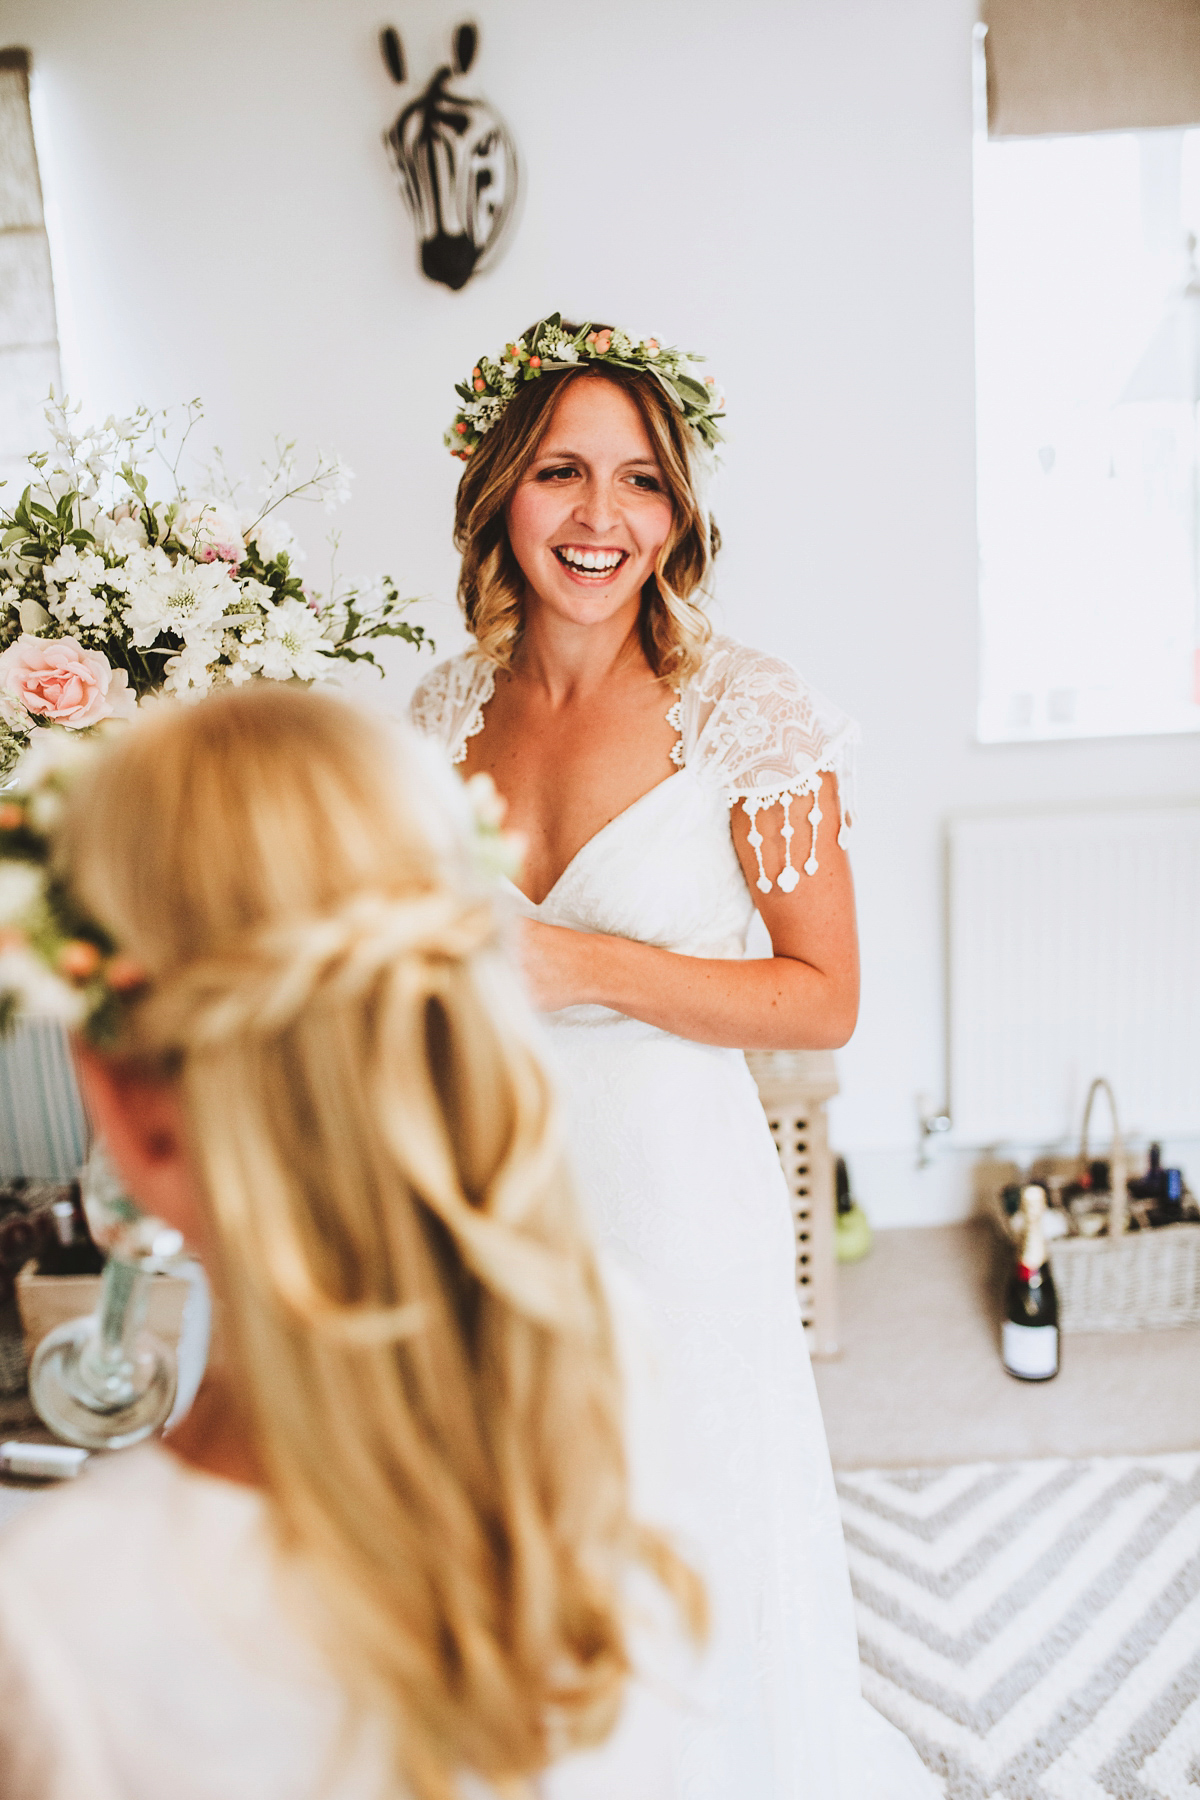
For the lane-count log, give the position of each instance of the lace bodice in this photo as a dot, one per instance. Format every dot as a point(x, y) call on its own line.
point(748, 725)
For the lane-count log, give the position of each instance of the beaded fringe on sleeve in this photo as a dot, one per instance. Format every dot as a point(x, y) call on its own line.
point(768, 738)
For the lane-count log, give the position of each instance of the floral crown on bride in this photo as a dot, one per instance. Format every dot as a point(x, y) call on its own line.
point(549, 346)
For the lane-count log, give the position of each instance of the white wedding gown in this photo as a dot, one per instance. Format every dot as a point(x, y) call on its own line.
point(684, 1188)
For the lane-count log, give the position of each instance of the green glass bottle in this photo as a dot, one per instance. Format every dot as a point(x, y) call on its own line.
point(1029, 1333)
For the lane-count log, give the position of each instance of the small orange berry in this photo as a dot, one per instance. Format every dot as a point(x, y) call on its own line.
point(79, 960)
point(461, 428)
point(12, 816)
point(480, 384)
point(123, 975)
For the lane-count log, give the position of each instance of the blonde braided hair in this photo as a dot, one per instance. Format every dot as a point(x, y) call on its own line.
point(414, 1316)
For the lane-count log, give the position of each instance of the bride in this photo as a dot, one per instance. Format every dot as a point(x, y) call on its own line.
point(669, 783)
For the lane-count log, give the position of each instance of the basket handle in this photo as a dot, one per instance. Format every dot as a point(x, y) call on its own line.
point(1118, 1162)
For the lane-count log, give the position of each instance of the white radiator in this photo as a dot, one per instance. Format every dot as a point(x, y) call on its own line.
point(1074, 952)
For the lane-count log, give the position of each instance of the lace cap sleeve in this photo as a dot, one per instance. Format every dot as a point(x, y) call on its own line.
point(768, 738)
point(448, 705)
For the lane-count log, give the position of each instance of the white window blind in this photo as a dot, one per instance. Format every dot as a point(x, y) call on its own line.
point(29, 360)
point(1091, 65)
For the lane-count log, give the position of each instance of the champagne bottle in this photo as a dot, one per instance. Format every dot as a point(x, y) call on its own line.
point(1030, 1330)
point(69, 1249)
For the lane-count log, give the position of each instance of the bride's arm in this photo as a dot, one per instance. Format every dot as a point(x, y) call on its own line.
point(803, 997)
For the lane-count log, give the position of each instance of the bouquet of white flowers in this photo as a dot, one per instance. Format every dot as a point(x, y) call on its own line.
point(107, 594)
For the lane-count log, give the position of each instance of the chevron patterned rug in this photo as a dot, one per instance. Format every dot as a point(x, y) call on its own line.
point(1035, 1627)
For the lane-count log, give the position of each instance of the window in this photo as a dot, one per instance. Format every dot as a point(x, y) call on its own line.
point(1088, 413)
point(29, 363)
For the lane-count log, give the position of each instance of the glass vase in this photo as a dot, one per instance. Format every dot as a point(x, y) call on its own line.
point(104, 1382)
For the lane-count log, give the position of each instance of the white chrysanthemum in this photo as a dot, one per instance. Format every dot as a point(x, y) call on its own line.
point(45, 769)
point(488, 806)
point(252, 593)
point(187, 600)
point(72, 565)
point(194, 670)
point(275, 537)
point(20, 885)
point(294, 644)
point(53, 752)
point(36, 992)
point(496, 852)
point(124, 535)
point(78, 603)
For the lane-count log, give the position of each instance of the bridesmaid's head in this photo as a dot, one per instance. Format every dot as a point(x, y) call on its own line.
point(326, 1078)
point(587, 497)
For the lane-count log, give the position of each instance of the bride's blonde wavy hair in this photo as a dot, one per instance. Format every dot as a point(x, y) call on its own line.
point(414, 1316)
point(491, 586)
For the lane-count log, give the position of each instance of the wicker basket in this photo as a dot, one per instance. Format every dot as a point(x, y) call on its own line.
point(1126, 1281)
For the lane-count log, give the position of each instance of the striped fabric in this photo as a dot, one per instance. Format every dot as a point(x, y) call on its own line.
point(43, 1132)
point(1034, 1627)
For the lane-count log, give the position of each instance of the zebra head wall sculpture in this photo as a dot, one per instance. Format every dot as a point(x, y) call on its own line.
point(457, 165)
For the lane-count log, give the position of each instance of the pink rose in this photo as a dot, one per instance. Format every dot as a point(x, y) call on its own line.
point(56, 679)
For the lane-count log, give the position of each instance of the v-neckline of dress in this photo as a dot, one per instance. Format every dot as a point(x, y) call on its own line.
point(595, 838)
point(475, 725)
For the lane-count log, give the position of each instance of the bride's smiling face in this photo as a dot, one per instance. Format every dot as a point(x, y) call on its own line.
point(591, 513)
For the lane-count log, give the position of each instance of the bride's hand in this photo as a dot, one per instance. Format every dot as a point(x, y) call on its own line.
point(554, 962)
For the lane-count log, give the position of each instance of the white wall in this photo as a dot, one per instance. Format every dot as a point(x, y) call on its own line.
point(785, 185)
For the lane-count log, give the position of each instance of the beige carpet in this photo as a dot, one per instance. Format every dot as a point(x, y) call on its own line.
point(919, 1381)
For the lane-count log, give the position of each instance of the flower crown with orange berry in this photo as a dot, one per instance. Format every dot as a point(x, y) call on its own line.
point(550, 346)
point(55, 962)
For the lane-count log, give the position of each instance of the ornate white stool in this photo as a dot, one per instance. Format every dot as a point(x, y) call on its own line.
point(793, 1086)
